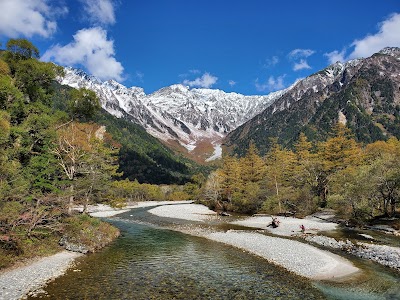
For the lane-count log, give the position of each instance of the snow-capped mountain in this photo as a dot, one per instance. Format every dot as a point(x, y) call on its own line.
point(363, 93)
point(193, 118)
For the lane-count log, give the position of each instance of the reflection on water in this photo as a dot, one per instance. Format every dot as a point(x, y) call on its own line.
point(147, 262)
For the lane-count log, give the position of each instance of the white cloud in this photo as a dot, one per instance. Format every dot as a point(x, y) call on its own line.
point(301, 55)
point(270, 85)
point(91, 49)
point(301, 65)
point(205, 81)
point(270, 62)
point(388, 36)
point(99, 11)
point(298, 53)
point(232, 82)
point(336, 56)
point(28, 18)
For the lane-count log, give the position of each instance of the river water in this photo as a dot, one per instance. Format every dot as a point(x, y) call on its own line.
point(149, 261)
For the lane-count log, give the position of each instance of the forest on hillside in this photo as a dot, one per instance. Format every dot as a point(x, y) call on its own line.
point(360, 182)
point(59, 150)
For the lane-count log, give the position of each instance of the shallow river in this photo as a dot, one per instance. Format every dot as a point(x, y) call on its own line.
point(151, 262)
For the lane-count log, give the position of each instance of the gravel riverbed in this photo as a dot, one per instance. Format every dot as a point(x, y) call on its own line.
point(300, 258)
point(382, 254)
point(19, 282)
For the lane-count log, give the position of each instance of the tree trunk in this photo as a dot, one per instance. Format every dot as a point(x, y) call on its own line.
point(392, 206)
point(87, 198)
point(277, 194)
point(71, 199)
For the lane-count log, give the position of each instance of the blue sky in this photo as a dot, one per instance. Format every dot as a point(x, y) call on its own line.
point(249, 47)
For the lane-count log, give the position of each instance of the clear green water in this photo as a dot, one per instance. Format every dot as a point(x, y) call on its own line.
point(149, 262)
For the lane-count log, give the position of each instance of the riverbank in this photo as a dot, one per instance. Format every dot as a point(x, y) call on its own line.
point(300, 258)
point(288, 226)
point(18, 282)
point(106, 211)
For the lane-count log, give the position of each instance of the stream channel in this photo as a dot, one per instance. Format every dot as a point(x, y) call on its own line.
point(151, 261)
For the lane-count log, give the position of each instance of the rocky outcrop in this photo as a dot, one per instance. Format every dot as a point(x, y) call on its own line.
point(73, 245)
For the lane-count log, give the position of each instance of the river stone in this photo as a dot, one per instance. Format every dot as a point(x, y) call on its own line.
point(71, 246)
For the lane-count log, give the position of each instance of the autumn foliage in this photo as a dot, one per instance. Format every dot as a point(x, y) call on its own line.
point(359, 182)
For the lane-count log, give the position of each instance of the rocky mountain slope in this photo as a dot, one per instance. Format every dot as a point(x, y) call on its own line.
point(364, 94)
point(194, 120)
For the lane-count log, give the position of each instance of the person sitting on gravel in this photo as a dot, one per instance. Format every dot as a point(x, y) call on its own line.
point(275, 223)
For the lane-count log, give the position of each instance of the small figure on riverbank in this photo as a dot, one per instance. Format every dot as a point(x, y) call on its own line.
point(302, 228)
point(275, 223)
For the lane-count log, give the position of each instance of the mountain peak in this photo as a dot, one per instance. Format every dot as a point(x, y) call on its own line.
point(393, 51)
point(114, 85)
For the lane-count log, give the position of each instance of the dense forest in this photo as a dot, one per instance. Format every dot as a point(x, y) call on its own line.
point(58, 149)
point(360, 182)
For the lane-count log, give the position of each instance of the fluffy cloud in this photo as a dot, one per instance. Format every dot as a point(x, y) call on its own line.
point(388, 36)
point(298, 53)
point(91, 49)
point(336, 56)
point(28, 18)
point(99, 11)
point(301, 54)
point(205, 81)
point(231, 82)
point(272, 84)
point(301, 65)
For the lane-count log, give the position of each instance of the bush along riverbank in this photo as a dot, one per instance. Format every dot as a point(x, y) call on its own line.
point(38, 261)
point(78, 233)
point(87, 234)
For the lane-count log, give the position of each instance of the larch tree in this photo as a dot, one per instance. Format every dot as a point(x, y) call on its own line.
point(279, 164)
point(231, 177)
point(336, 153)
point(253, 166)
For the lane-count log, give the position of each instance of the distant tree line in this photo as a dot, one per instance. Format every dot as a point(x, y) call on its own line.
point(359, 181)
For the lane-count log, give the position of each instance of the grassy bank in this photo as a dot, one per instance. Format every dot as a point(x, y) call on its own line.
point(82, 231)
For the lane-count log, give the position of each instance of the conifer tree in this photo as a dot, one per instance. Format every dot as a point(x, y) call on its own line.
point(336, 153)
point(279, 164)
point(252, 165)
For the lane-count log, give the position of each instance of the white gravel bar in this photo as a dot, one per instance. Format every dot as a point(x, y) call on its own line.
point(299, 258)
point(105, 211)
point(288, 226)
point(192, 212)
point(17, 283)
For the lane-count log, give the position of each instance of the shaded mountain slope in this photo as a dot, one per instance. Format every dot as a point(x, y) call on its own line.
point(364, 94)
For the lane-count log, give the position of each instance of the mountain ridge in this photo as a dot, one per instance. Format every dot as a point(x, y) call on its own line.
point(198, 121)
point(192, 120)
point(363, 93)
